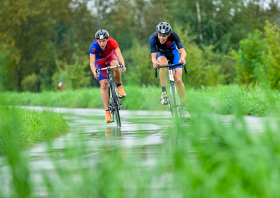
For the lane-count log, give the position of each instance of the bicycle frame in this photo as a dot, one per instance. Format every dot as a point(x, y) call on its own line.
point(174, 102)
point(114, 102)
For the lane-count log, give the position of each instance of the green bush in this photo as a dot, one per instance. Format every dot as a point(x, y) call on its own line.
point(250, 58)
point(75, 75)
point(258, 58)
point(204, 66)
point(31, 83)
point(3, 70)
point(140, 69)
point(272, 57)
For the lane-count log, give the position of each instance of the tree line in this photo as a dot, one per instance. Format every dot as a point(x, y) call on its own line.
point(42, 39)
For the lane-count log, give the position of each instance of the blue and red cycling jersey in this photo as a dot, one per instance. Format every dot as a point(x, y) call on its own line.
point(103, 54)
point(169, 49)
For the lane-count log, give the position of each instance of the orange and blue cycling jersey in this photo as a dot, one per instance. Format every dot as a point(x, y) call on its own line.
point(104, 56)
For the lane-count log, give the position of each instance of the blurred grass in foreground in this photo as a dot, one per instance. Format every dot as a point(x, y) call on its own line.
point(204, 158)
point(22, 128)
point(257, 101)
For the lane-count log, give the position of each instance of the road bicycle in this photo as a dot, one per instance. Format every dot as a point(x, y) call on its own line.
point(114, 101)
point(173, 99)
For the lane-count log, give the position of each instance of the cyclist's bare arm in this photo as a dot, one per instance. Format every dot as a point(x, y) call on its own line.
point(120, 57)
point(183, 56)
point(92, 65)
point(154, 60)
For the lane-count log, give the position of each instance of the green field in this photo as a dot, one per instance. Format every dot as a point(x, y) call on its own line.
point(256, 102)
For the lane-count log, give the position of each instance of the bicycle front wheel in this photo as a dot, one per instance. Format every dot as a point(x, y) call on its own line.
point(116, 106)
point(174, 103)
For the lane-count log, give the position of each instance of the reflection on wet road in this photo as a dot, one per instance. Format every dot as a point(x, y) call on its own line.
point(89, 137)
point(139, 128)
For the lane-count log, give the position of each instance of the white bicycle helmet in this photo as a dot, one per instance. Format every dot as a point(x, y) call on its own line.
point(163, 28)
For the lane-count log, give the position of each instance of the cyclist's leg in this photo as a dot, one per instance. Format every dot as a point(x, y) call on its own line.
point(104, 93)
point(113, 60)
point(177, 72)
point(162, 72)
point(163, 78)
point(102, 78)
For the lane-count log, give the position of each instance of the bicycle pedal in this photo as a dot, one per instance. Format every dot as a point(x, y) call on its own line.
point(185, 120)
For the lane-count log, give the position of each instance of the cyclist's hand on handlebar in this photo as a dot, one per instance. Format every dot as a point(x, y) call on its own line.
point(95, 75)
point(123, 69)
point(182, 61)
point(156, 64)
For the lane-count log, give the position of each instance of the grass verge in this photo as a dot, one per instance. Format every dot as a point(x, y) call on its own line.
point(32, 126)
point(256, 102)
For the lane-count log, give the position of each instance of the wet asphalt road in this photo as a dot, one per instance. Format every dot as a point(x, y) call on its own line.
point(146, 129)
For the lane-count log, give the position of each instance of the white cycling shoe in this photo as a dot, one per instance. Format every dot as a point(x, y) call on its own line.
point(164, 99)
point(185, 114)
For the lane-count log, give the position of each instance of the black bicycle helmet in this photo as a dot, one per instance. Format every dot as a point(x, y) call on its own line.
point(164, 28)
point(101, 34)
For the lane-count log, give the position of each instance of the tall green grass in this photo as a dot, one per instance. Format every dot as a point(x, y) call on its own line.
point(253, 102)
point(207, 157)
point(31, 126)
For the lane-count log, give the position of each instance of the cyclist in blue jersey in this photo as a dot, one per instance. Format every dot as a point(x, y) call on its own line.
point(165, 45)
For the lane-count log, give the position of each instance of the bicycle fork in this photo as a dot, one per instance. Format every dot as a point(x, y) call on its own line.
point(174, 105)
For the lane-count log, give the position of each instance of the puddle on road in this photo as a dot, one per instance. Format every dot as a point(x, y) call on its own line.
point(145, 141)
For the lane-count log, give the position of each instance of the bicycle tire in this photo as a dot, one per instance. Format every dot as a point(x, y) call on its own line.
point(178, 105)
point(171, 101)
point(110, 105)
point(115, 106)
point(175, 101)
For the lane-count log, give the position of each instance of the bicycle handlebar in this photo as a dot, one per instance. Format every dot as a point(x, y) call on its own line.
point(170, 65)
point(110, 67)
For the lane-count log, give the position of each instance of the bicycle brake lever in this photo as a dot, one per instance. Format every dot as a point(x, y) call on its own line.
point(185, 68)
point(96, 71)
point(121, 67)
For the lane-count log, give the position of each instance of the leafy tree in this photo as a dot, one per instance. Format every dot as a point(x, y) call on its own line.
point(27, 34)
point(250, 58)
point(31, 83)
point(3, 70)
point(222, 23)
point(140, 67)
point(272, 58)
point(203, 65)
point(76, 76)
